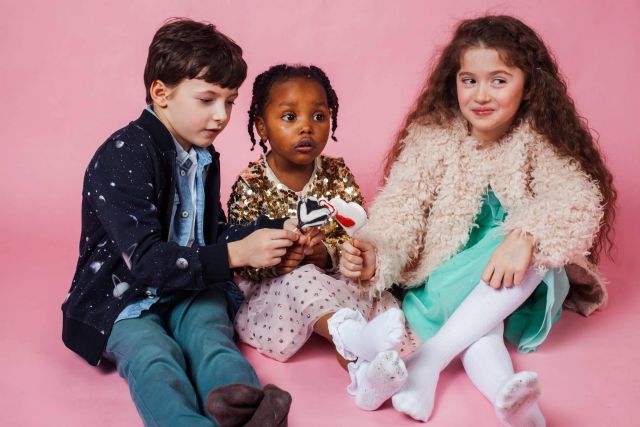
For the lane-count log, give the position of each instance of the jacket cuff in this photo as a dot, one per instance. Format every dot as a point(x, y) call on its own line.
point(265, 222)
point(215, 263)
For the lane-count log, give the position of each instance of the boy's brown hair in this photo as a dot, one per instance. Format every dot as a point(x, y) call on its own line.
point(186, 49)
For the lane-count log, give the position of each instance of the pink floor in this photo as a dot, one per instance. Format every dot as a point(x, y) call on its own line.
point(588, 367)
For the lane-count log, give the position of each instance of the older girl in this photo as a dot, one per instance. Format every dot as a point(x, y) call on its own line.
point(496, 206)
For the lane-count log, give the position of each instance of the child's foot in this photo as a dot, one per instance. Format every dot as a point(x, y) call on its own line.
point(234, 405)
point(516, 401)
point(355, 338)
point(416, 397)
point(375, 382)
point(273, 410)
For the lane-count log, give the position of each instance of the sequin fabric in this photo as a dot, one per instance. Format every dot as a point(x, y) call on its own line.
point(257, 191)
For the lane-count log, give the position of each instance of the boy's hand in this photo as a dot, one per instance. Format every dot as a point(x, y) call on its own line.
point(358, 260)
point(510, 261)
point(291, 224)
point(262, 248)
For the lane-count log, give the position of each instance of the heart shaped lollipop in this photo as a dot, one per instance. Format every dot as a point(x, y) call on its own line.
point(312, 213)
point(351, 216)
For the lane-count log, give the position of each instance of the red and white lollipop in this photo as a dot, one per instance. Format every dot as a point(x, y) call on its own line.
point(351, 216)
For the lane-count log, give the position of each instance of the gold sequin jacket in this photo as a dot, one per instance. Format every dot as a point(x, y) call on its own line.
point(257, 191)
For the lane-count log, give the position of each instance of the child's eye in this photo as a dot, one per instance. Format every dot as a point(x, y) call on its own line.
point(288, 117)
point(231, 102)
point(499, 81)
point(468, 80)
point(205, 100)
point(318, 117)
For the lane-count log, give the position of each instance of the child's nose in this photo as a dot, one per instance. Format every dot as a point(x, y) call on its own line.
point(482, 94)
point(305, 126)
point(219, 112)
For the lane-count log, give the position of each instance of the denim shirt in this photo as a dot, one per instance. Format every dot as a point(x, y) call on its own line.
point(187, 223)
point(188, 207)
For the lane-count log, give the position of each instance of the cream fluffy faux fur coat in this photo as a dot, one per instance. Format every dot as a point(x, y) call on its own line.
point(425, 212)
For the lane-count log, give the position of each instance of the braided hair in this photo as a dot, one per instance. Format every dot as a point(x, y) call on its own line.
point(283, 72)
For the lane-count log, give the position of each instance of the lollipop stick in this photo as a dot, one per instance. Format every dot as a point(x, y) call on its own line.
point(307, 233)
point(361, 288)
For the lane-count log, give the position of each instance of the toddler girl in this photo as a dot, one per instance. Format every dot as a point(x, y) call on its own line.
point(294, 109)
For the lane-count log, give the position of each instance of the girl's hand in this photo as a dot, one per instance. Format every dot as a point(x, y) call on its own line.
point(319, 256)
point(358, 260)
point(510, 261)
point(314, 236)
point(293, 257)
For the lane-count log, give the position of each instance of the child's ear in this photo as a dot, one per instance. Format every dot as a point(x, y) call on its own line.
point(262, 129)
point(159, 93)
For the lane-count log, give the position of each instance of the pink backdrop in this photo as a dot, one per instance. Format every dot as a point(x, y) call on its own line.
point(72, 73)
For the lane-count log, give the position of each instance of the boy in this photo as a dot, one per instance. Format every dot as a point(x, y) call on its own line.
point(153, 288)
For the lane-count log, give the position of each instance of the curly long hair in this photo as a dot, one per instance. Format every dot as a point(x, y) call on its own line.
point(549, 107)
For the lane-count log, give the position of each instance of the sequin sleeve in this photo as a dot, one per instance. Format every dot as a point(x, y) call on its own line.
point(244, 207)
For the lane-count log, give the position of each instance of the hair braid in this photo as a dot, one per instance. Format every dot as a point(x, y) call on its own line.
point(264, 82)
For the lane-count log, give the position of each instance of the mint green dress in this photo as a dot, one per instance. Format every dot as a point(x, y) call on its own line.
point(429, 306)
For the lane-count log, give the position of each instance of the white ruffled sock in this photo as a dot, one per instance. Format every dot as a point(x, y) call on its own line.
point(489, 367)
point(355, 338)
point(373, 383)
point(516, 402)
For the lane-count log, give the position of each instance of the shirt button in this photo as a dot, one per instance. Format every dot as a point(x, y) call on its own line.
point(182, 263)
point(182, 173)
point(184, 214)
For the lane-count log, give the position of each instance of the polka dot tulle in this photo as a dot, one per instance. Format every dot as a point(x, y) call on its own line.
point(279, 313)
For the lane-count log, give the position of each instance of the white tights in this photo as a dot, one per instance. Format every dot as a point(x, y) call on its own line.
point(475, 326)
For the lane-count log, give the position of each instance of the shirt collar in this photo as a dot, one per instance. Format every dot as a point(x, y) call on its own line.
point(195, 154)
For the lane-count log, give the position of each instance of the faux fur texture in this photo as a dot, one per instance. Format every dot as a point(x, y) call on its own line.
point(425, 212)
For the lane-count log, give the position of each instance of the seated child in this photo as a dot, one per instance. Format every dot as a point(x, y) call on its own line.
point(294, 109)
point(495, 195)
point(153, 288)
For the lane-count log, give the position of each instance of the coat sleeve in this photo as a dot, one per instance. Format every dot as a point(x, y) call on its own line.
point(230, 232)
point(119, 186)
point(398, 216)
point(563, 214)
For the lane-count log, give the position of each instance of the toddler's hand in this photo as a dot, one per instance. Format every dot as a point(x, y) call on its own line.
point(510, 261)
point(319, 255)
point(358, 260)
point(314, 237)
point(262, 248)
point(294, 256)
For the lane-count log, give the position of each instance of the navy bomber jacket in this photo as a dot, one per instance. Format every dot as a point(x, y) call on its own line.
point(127, 202)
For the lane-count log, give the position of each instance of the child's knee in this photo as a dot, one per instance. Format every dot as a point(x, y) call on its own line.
point(152, 356)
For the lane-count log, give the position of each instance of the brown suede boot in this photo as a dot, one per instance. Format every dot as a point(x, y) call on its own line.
point(234, 405)
point(273, 409)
